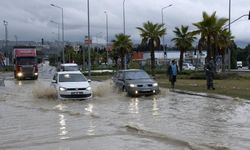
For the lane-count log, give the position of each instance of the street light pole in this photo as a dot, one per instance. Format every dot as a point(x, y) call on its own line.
point(107, 33)
point(6, 32)
point(229, 27)
point(124, 17)
point(58, 34)
point(62, 31)
point(58, 27)
point(6, 37)
point(89, 62)
point(162, 21)
point(125, 59)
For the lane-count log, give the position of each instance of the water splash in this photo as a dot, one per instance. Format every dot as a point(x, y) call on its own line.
point(104, 89)
point(43, 91)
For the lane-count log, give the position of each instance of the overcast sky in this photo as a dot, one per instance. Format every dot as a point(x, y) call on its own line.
point(30, 19)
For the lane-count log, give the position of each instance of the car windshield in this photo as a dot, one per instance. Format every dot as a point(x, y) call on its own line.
point(26, 60)
point(71, 78)
point(133, 75)
point(70, 68)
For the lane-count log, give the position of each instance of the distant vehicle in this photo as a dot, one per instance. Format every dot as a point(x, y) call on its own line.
point(188, 66)
point(239, 64)
point(69, 67)
point(135, 82)
point(46, 61)
point(72, 85)
point(25, 62)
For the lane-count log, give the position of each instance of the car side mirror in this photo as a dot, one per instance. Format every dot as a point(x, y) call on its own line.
point(89, 81)
point(53, 81)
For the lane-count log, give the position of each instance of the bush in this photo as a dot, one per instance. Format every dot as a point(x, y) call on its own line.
point(221, 76)
point(98, 73)
point(6, 68)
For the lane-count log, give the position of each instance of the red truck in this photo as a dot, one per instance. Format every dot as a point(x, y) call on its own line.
point(25, 62)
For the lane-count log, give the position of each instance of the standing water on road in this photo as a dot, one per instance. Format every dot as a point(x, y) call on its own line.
point(32, 118)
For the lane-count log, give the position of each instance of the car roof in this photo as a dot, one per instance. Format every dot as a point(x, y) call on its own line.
point(69, 64)
point(69, 72)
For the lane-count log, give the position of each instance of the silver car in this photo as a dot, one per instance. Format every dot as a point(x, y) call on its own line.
point(135, 82)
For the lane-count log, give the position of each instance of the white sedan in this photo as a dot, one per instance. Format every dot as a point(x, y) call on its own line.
point(188, 66)
point(72, 85)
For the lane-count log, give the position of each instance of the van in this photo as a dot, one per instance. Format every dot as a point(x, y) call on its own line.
point(188, 66)
point(239, 64)
point(69, 67)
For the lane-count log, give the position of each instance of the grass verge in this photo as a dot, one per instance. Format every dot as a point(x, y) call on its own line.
point(237, 88)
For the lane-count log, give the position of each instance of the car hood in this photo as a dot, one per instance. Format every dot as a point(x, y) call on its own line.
point(140, 81)
point(74, 84)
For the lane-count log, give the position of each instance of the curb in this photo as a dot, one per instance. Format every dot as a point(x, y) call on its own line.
point(209, 95)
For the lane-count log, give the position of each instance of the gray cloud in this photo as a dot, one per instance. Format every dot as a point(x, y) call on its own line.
point(29, 19)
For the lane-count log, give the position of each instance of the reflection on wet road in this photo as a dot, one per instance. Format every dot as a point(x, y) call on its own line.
point(32, 118)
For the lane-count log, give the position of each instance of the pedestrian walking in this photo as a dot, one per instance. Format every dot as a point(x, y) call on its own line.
point(210, 69)
point(172, 72)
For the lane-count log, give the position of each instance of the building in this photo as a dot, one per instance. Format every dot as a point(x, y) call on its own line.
point(161, 58)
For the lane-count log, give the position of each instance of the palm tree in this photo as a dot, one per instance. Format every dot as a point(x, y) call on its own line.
point(122, 44)
point(208, 28)
point(225, 40)
point(150, 34)
point(183, 41)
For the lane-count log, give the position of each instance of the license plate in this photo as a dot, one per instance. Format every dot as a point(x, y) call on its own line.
point(145, 90)
point(76, 93)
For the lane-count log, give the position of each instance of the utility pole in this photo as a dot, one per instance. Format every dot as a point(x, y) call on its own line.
point(162, 21)
point(107, 34)
point(89, 40)
point(63, 59)
point(125, 59)
point(229, 28)
point(6, 38)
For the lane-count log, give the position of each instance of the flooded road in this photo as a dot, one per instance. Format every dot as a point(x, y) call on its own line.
point(31, 118)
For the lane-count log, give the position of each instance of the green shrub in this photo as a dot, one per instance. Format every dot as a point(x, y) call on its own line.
point(98, 73)
point(6, 69)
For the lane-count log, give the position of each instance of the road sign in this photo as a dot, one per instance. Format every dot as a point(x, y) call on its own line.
point(87, 40)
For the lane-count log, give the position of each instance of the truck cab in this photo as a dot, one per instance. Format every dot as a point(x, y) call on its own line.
point(25, 62)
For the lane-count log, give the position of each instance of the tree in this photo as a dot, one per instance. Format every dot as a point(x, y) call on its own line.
point(224, 40)
point(209, 28)
point(183, 41)
point(122, 44)
point(150, 34)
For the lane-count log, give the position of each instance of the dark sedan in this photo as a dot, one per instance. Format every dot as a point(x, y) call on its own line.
point(135, 82)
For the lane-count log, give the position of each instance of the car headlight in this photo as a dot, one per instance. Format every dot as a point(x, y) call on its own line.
point(89, 88)
point(132, 85)
point(62, 89)
point(19, 74)
point(155, 84)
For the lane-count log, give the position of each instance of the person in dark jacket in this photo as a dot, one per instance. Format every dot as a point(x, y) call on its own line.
point(210, 69)
point(172, 72)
